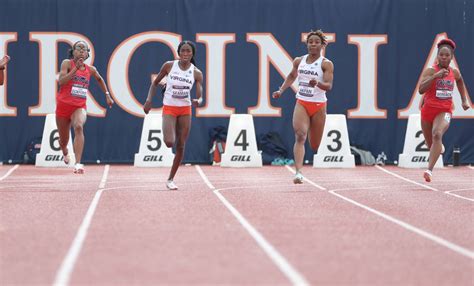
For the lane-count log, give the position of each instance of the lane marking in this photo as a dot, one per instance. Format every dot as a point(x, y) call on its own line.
point(405, 179)
point(63, 275)
point(306, 180)
point(285, 267)
point(9, 172)
point(441, 241)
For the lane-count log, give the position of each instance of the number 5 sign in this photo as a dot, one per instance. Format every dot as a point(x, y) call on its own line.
point(153, 152)
point(50, 154)
point(334, 150)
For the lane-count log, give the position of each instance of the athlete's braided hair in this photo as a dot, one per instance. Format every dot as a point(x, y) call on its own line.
point(318, 33)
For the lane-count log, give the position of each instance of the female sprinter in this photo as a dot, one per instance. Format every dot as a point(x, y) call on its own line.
point(437, 85)
point(180, 77)
point(71, 100)
point(315, 75)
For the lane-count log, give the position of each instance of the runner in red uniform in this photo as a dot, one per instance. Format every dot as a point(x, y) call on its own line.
point(3, 63)
point(71, 100)
point(437, 85)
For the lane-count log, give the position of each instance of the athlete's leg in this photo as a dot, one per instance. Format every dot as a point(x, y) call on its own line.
point(440, 125)
point(427, 128)
point(183, 126)
point(301, 123)
point(316, 128)
point(169, 130)
point(78, 119)
point(64, 126)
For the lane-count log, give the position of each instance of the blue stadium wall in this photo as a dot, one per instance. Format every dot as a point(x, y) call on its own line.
point(244, 48)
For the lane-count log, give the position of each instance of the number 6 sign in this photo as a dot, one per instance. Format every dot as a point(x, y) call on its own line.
point(50, 154)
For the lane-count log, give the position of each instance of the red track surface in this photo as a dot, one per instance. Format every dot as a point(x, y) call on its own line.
point(369, 226)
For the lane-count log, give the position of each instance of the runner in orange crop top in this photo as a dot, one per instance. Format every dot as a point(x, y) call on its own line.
point(180, 76)
point(315, 76)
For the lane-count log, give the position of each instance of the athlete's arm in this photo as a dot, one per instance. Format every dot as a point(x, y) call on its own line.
point(64, 75)
point(428, 76)
point(198, 77)
point(165, 69)
point(102, 85)
point(461, 88)
point(289, 79)
point(3, 64)
point(328, 76)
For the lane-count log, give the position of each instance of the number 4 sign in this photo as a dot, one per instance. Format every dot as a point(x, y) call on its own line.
point(153, 152)
point(50, 154)
point(241, 144)
point(415, 152)
point(334, 150)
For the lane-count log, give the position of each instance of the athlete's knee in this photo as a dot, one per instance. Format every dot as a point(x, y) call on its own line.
point(300, 136)
point(78, 129)
point(437, 135)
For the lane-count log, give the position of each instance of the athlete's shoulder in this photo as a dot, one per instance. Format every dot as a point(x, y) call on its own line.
point(326, 63)
point(198, 74)
point(66, 62)
point(297, 60)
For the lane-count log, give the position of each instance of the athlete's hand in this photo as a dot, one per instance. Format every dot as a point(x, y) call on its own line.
point(147, 106)
point(277, 94)
point(4, 61)
point(465, 105)
point(195, 102)
point(79, 63)
point(109, 100)
point(441, 73)
point(313, 82)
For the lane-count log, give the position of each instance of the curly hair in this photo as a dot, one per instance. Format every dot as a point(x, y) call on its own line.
point(318, 33)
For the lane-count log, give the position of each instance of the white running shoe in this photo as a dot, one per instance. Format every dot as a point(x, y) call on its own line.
point(79, 168)
point(171, 185)
point(428, 175)
point(298, 178)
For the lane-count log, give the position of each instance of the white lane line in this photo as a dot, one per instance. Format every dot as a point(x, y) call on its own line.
point(9, 172)
point(306, 180)
point(424, 186)
point(459, 196)
point(405, 179)
point(63, 275)
point(407, 226)
point(285, 267)
point(441, 241)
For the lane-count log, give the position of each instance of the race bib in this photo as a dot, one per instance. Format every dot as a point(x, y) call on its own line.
point(180, 92)
point(305, 89)
point(79, 91)
point(443, 94)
